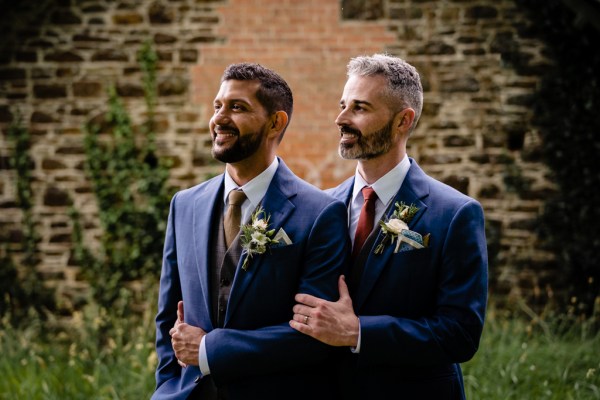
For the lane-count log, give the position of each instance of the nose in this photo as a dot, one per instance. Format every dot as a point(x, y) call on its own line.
point(220, 116)
point(342, 118)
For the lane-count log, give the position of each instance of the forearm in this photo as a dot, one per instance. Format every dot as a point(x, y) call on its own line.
point(236, 353)
point(405, 342)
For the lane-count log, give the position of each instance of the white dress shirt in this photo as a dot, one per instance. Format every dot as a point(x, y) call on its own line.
point(386, 188)
point(255, 190)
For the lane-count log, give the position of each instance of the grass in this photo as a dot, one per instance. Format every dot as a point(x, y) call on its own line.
point(519, 358)
point(557, 359)
point(80, 363)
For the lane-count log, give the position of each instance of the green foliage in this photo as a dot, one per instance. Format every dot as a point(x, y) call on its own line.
point(22, 163)
point(23, 289)
point(520, 357)
point(528, 356)
point(566, 111)
point(130, 184)
point(38, 363)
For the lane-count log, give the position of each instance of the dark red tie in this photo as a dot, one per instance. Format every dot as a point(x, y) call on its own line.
point(365, 220)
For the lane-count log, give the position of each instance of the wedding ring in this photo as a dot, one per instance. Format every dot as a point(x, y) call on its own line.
point(306, 320)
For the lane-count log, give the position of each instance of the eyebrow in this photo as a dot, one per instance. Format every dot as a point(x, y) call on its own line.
point(233, 101)
point(357, 102)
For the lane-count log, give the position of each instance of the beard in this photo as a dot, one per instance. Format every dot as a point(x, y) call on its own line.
point(367, 146)
point(242, 148)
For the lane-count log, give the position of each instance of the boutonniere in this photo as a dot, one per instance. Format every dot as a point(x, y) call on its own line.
point(256, 237)
point(396, 229)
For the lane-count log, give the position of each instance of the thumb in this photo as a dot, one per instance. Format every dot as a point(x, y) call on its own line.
point(180, 311)
point(343, 288)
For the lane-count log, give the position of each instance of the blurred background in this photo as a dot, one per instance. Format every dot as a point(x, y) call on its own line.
point(104, 109)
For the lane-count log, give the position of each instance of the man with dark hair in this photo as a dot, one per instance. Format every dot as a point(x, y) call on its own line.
point(226, 294)
point(415, 301)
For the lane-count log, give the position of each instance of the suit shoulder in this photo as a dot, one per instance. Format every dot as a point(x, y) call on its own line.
point(340, 190)
point(193, 191)
point(308, 192)
point(449, 195)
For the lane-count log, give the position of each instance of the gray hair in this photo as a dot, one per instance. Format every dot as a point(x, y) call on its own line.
point(404, 83)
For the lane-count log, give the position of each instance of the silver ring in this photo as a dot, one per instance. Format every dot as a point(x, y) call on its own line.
point(306, 320)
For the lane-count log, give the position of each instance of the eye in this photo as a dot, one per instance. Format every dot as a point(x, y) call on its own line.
point(216, 107)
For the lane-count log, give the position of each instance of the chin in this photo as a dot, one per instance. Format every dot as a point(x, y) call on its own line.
point(348, 153)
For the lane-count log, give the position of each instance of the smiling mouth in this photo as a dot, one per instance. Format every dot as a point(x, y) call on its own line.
point(222, 136)
point(348, 137)
point(225, 134)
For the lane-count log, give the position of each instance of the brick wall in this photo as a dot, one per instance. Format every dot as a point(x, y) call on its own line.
point(479, 61)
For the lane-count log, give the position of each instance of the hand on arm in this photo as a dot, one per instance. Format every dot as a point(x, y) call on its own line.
point(333, 323)
point(185, 340)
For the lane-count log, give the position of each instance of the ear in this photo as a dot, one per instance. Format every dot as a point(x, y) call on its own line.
point(279, 121)
point(404, 120)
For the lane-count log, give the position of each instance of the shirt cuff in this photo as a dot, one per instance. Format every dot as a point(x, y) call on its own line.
point(202, 358)
point(356, 349)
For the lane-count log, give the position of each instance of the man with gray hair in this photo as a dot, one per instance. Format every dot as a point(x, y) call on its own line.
point(412, 304)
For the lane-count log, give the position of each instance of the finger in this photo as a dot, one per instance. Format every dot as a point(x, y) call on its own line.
point(301, 309)
point(181, 364)
point(180, 311)
point(301, 318)
point(307, 299)
point(300, 327)
point(343, 288)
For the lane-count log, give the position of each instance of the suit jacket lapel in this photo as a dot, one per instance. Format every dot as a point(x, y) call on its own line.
point(343, 192)
point(203, 219)
point(413, 190)
point(277, 204)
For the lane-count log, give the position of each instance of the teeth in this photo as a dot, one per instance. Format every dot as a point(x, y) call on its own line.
point(348, 135)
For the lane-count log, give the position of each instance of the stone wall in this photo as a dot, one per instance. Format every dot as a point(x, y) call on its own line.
point(479, 60)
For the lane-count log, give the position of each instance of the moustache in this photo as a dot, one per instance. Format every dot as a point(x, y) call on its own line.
point(226, 129)
point(351, 131)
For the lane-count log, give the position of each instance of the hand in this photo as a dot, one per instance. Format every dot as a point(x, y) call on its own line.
point(333, 323)
point(185, 340)
point(179, 322)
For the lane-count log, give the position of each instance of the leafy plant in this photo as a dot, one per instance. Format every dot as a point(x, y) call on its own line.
point(566, 110)
point(22, 288)
point(130, 184)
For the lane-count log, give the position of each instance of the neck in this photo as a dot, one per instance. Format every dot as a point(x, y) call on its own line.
point(244, 171)
point(373, 169)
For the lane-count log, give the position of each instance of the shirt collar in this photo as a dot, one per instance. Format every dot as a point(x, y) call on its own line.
point(387, 186)
point(256, 188)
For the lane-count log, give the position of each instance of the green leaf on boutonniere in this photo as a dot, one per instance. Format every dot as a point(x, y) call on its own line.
point(396, 229)
point(254, 237)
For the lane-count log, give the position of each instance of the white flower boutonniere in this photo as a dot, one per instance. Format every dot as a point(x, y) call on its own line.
point(255, 236)
point(396, 229)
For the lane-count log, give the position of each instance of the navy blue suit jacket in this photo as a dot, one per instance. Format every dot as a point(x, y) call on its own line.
point(256, 354)
point(421, 311)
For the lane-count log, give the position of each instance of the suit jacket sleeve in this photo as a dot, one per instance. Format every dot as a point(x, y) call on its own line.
point(234, 353)
point(167, 306)
point(450, 328)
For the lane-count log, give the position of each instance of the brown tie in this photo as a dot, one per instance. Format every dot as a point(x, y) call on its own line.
point(365, 220)
point(233, 217)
